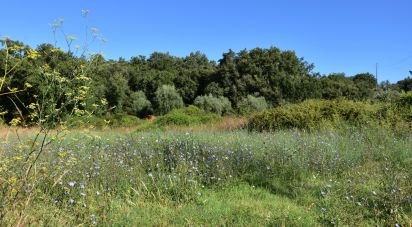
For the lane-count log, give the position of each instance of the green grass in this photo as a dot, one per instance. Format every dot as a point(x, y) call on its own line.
point(235, 205)
point(351, 176)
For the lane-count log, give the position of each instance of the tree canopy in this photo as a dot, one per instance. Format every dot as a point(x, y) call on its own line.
point(137, 86)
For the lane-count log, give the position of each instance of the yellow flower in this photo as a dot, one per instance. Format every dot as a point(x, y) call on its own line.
point(15, 121)
point(32, 106)
point(32, 54)
point(103, 101)
point(27, 85)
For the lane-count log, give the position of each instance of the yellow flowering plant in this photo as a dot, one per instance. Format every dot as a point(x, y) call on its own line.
point(55, 96)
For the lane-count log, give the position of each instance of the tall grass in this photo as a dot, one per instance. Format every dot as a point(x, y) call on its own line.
point(352, 176)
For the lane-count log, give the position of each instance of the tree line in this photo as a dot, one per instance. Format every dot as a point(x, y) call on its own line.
point(156, 84)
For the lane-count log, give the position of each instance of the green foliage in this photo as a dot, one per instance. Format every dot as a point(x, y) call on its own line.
point(337, 85)
point(278, 76)
point(122, 120)
point(190, 115)
point(405, 84)
point(405, 100)
point(139, 105)
point(214, 89)
point(218, 105)
point(315, 114)
point(365, 82)
point(101, 122)
point(271, 73)
point(404, 105)
point(167, 99)
point(386, 95)
point(252, 104)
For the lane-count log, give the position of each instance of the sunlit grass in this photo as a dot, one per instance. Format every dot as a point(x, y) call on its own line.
point(352, 176)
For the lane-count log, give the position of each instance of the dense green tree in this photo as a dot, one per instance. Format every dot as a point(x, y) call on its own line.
point(405, 84)
point(365, 82)
point(271, 73)
point(337, 85)
point(131, 86)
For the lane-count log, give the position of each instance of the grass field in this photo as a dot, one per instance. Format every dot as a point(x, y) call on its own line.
point(352, 176)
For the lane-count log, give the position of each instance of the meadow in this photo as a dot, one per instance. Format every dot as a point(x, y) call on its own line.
point(256, 138)
point(200, 175)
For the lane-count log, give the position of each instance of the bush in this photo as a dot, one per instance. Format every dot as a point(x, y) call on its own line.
point(387, 95)
point(404, 105)
point(117, 120)
point(252, 104)
point(186, 116)
point(218, 105)
point(139, 104)
point(315, 114)
point(405, 100)
point(124, 120)
point(167, 99)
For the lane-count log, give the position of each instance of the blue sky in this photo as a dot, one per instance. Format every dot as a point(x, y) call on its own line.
point(348, 36)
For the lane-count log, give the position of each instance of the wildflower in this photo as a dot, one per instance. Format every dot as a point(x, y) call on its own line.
point(72, 183)
point(322, 193)
point(98, 193)
point(32, 54)
point(71, 201)
point(323, 210)
point(374, 193)
point(28, 85)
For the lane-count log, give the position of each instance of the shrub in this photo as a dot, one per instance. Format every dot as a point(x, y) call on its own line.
point(139, 104)
point(405, 100)
point(252, 104)
point(404, 105)
point(218, 105)
point(116, 120)
point(386, 95)
point(167, 99)
point(124, 120)
point(314, 114)
point(186, 116)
